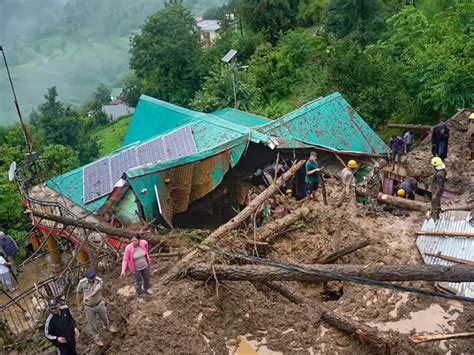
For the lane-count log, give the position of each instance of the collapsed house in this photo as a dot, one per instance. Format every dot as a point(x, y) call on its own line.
point(174, 160)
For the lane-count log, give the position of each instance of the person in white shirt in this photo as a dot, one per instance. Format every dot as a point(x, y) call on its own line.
point(5, 274)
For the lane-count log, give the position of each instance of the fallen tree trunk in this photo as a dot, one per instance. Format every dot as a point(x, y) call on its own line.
point(453, 273)
point(342, 252)
point(404, 203)
point(226, 228)
point(414, 127)
point(273, 228)
point(98, 227)
point(366, 334)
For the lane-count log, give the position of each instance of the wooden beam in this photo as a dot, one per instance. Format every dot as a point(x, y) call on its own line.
point(340, 253)
point(451, 258)
point(431, 337)
point(404, 203)
point(445, 234)
point(407, 126)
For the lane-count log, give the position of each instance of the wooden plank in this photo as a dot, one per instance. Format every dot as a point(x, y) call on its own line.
point(431, 337)
point(445, 234)
point(451, 258)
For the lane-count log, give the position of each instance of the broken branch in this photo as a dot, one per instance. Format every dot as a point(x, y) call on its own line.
point(342, 252)
point(424, 338)
point(404, 203)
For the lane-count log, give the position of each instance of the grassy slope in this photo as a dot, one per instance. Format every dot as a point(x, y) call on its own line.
point(110, 137)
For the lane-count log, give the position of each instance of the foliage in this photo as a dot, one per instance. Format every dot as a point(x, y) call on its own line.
point(102, 94)
point(312, 12)
point(217, 91)
point(131, 88)
point(272, 18)
point(110, 137)
point(359, 19)
point(166, 55)
point(11, 210)
point(60, 159)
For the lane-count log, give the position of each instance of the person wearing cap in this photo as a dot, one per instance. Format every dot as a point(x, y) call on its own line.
point(60, 328)
point(347, 176)
point(374, 186)
point(137, 259)
point(312, 175)
point(91, 289)
point(407, 188)
point(437, 186)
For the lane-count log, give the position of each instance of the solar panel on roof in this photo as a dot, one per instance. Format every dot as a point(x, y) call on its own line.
point(100, 176)
point(122, 162)
point(180, 143)
point(97, 180)
point(151, 152)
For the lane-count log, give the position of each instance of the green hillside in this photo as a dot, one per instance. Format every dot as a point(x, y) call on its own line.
point(83, 43)
point(110, 137)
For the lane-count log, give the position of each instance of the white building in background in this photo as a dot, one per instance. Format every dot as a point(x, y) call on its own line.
point(208, 29)
point(116, 109)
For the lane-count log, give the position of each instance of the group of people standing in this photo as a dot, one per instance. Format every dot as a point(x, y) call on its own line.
point(60, 326)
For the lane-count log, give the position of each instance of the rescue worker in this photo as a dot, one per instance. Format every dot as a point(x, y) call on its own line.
point(408, 140)
point(312, 175)
point(439, 141)
point(397, 147)
point(374, 186)
point(407, 188)
point(60, 328)
point(437, 186)
point(348, 180)
point(93, 301)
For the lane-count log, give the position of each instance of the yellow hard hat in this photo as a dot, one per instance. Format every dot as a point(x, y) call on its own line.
point(352, 164)
point(437, 161)
point(471, 116)
point(289, 191)
point(401, 192)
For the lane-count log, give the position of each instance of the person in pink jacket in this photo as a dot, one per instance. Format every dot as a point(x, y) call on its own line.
point(137, 259)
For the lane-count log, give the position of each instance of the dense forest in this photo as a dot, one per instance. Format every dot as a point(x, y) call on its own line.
point(399, 61)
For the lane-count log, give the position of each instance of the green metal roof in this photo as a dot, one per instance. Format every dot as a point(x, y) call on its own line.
point(329, 122)
point(153, 117)
point(240, 117)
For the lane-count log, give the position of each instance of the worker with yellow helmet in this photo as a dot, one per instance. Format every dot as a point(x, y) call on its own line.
point(437, 186)
point(407, 188)
point(347, 176)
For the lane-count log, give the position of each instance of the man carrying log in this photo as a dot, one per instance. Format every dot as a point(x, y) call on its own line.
point(437, 186)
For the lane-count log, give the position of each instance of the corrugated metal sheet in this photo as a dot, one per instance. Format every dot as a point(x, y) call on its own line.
point(330, 123)
point(240, 117)
point(458, 247)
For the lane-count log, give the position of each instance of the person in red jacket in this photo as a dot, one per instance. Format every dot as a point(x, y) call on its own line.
point(137, 259)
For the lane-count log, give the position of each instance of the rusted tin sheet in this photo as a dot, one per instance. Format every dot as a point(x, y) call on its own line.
point(458, 247)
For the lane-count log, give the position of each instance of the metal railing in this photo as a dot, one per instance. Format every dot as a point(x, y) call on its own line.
point(26, 311)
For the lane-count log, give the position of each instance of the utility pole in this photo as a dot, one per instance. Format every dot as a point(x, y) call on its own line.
point(26, 134)
point(234, 85)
